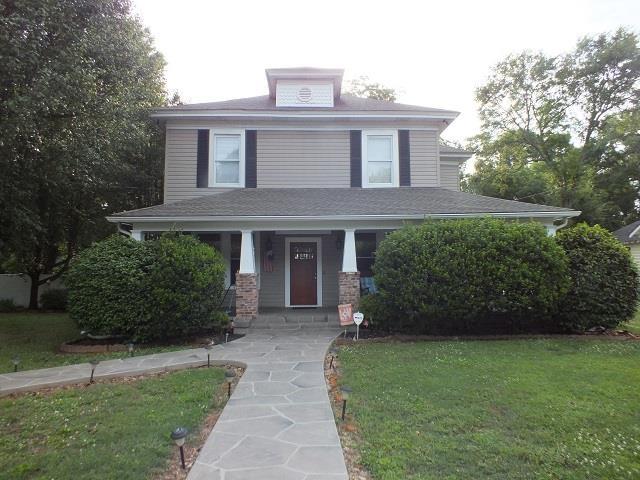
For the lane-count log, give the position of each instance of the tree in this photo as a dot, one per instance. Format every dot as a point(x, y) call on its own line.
point(365, 88)
point(77, 82)
point(548, 128)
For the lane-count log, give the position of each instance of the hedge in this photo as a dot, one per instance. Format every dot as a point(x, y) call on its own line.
point(604, 280)
point(475, 275)
point(146, 291)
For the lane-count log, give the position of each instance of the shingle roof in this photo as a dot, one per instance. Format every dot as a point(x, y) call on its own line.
point(322, 202)
point(345, 103)
point(623, 234)
point(448, 149)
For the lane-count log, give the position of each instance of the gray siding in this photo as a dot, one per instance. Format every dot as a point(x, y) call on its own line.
point(180, 166)
point(635, 253)
point(303, 159)
point(272, 283)
point(424, 158)
point(450, 175)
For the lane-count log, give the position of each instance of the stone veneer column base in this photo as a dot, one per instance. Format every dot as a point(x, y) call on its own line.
point(349, 289)
point(246, 296)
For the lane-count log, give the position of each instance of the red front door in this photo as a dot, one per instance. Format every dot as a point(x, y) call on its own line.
point(304, 273)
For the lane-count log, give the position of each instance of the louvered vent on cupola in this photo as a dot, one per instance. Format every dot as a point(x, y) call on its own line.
point(304, 87)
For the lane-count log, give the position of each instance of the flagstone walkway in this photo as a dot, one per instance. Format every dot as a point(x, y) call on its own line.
point(278, 423)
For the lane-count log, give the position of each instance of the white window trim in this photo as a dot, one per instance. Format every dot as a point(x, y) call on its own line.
point(287, 269)
point(212, 164)
point(395, 165)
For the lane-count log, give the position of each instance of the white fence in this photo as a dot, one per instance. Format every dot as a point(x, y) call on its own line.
point(16, 287)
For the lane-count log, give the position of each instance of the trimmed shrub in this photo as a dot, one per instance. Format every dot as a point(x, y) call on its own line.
point(604, 280)
point(154, 290)
point(54, 299)
point(186, 284)
point(108, 286)
point(476, 275)
point(7, 305)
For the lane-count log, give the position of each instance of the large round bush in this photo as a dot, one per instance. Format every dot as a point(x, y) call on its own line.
point(475, 275)
point(154, 290)
point(107, 286)
point(186, 284)
point(604, 280)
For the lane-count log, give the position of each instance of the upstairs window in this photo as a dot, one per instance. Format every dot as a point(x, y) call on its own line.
point(227, 154)
point(379, 159)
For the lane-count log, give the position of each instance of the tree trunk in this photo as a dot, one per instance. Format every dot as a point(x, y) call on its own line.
point(33, 291)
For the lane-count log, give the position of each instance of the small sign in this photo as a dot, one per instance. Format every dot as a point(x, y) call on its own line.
point(358, 318)
point(345, 312)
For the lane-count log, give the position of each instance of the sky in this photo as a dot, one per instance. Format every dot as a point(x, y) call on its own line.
point(434, 54)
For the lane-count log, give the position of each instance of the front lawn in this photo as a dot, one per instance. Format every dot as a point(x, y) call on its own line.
point(634, 324)
point(35, 338)
point(107, 430)
point(556, 409)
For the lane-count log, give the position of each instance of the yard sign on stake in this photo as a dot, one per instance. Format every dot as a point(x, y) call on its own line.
point(345, 313)
point(357, 319)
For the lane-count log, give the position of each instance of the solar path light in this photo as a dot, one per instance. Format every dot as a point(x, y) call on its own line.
point(208, 348)
point(229, 375)
point(94, 363)
point(179, 436)
point(345, 392)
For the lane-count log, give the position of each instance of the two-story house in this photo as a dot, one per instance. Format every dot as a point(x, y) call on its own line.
point(296, 188)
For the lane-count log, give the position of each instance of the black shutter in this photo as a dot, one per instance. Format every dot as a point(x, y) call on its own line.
point(356, 158)
point(404, 156)
point(251, 159)
point(202, 176)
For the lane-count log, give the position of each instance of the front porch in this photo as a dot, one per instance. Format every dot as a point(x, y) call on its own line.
point(291, 278)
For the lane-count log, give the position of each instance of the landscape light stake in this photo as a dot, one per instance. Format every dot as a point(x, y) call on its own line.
point(229, 375)
point(208, 348)
point(333, 353)
point(94, 363)
point(179, 435)
point(130, 348)
point(345, 391)
point(226, 337)
point(16, 362)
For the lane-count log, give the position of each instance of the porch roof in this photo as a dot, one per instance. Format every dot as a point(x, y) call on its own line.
point(403, 202)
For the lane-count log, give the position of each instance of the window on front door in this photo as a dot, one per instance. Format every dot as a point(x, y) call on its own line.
point(380, 159)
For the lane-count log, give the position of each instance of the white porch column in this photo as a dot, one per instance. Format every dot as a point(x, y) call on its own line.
point(349, 263)
point(247, 255)
point(136, 235)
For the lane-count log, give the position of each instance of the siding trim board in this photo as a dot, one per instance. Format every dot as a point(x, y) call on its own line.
point(355, 155)
point(202, 156)
point(251, 159)
point(404, 158)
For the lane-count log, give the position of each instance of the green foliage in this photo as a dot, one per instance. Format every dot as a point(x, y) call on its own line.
point(108, 286)
point(186, 284)
point(77, 81)
point(471, 275)
point(154, 290)
point(563, 130)
point(7, 305)
point(54, 299)
point(379, 314)
point(604, 280)
point(365, 88)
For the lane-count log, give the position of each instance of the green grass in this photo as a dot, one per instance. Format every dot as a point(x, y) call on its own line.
point(633, 325)
point(520, 409)
point(105, 431)
point(36, 337)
